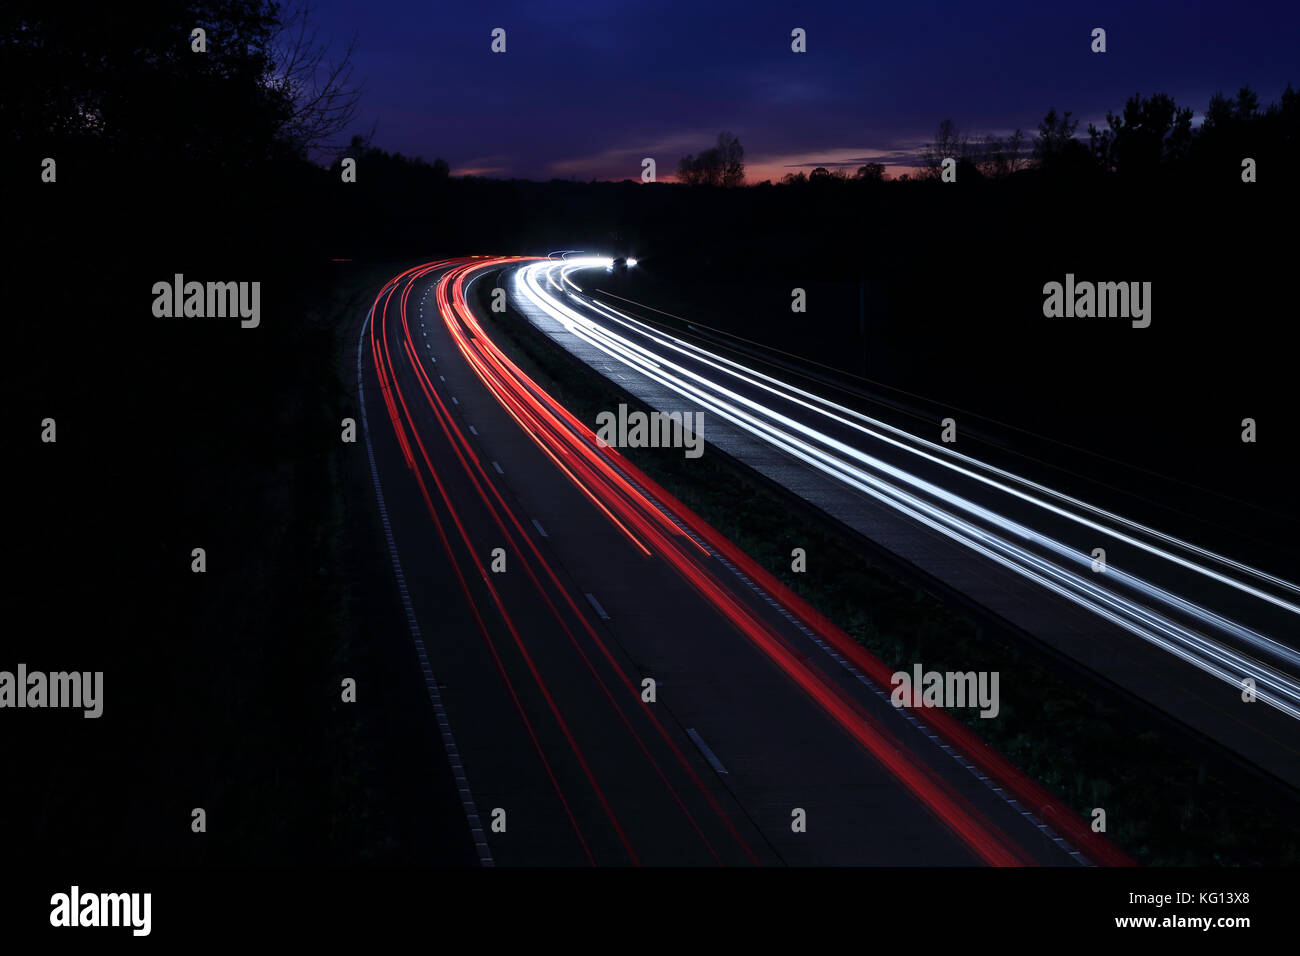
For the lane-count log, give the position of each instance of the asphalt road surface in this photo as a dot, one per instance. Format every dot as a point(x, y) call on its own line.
point(548, 583)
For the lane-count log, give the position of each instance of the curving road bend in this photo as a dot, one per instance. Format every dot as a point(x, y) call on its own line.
point(617, 683)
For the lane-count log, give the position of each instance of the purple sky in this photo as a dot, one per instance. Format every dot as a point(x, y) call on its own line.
point(587, 90)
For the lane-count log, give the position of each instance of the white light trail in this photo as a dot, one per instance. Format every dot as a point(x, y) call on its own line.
point(942, 510)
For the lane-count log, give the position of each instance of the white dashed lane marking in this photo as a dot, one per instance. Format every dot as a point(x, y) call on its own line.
point(596, 604)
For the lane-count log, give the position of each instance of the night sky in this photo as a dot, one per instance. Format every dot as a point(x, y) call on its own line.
point(586, 90)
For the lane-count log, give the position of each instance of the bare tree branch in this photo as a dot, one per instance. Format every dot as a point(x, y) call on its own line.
point(321, 101)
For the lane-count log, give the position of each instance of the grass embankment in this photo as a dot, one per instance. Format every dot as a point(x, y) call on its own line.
point(298, 595)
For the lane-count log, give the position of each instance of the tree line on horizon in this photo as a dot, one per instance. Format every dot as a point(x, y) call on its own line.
point(1150, 134)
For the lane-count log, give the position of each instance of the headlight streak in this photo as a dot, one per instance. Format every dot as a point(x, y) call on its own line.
point(836, 413)
point(1276, 688)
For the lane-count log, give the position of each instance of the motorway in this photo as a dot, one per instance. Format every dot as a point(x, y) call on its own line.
point(1176, 624)
point(616, 684)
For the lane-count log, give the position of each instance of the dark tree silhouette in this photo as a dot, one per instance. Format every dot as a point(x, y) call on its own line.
point(949, 143)
point(93, 77)
point(319, 96)
point(1055, 134)
point(999, 157)
point(264, 87)
point(721, 165)
point(1150, 132)
point(1235, 128)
